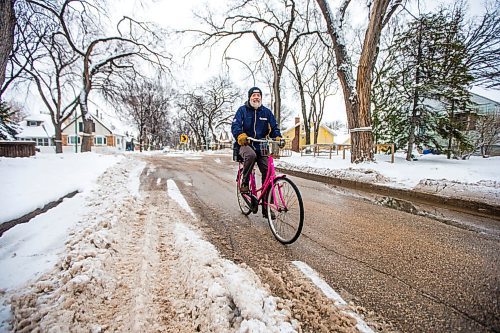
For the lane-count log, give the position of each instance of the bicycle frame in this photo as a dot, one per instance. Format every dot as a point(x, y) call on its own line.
point(282, 206)
point(267, 185)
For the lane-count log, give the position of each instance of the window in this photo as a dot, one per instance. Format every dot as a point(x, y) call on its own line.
point(42, 141)
point(80, 127)
point(32, 123)
point(72, 139)
point(99, 140)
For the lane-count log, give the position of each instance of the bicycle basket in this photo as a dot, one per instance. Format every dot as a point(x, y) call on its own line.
point(264, 149)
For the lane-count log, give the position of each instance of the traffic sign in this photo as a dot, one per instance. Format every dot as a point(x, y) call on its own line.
point(184, 138)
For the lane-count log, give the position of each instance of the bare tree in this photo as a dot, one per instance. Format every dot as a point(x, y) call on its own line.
point(275, 25)
point(482, 44)
point(192, 106)
point(221, 96)
point(208, 109)
point(357, 91)
point(301, 56)
point(320, 87)
point(313, 64)
point(486, 132)
point(52, 72)
point(105, 59)
point(146, 102)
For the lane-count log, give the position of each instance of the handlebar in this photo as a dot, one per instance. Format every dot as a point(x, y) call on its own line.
point(263, 140)
point(280, 143)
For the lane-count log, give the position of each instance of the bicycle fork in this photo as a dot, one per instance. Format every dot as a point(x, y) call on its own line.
point(277, 193)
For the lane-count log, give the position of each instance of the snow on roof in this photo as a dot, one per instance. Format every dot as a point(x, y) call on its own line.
point(328, 129)
point(46, 128)
point(478, 99)
point(112, 124)
point(45, 117)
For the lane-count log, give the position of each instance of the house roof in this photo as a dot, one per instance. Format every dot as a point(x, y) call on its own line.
point(224, 136)
point(482, 101)
point(106, 123)
point(328, 129)
point(46, 129)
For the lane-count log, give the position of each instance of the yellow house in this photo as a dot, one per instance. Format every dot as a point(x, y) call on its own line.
point(297, 135)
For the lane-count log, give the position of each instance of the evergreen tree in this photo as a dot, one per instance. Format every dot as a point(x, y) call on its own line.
point(452, 78)
point(8, 129)
point(401, 96)
point(421, 84)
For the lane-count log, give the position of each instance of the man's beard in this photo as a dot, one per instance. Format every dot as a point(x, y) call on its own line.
point(256, 105)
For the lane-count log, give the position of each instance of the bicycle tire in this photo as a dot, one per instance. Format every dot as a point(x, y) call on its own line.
point(244, 207)
point(289, 211)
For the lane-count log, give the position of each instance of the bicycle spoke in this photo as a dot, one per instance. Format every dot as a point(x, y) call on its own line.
point(288, 208)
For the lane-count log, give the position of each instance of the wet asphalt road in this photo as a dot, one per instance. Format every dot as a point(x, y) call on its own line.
point(418, 273)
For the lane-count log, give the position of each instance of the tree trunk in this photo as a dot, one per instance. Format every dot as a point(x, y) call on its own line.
point(7, 25)
point(305, 120)
point(87, 135)
point(277, 98)
point(58, 138)
point(312, 114)
point(450, 134)
point(357, 99)
point(414, 115)
point(87, 122)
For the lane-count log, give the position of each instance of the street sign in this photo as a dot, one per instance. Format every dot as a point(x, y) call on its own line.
point(184, 138)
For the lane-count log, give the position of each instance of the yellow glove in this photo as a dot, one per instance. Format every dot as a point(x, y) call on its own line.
point(242, 139)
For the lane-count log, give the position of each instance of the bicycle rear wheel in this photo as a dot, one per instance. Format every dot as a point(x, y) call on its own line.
point(244, 206)
point(285, 203)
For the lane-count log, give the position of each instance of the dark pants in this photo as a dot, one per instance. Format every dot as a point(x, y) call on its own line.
point(249, 158)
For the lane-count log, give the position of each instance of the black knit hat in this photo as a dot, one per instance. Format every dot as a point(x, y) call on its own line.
point(254, 90)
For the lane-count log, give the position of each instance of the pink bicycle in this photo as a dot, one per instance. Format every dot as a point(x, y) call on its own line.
point(285, 210)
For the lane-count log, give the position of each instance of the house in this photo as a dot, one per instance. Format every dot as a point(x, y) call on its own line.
point(479, 121)
point(224, 139)
point(481, 106)
point(297, 135)
point(38, 128)
point(105, 135)
point(488, 129)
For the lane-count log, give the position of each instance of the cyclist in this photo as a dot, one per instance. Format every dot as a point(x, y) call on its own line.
point(253, 120)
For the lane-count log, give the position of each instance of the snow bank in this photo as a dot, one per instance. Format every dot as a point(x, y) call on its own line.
point(225, 297)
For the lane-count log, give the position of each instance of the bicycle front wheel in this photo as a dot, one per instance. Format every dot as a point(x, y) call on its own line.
point(285, 211)
point(244, 206)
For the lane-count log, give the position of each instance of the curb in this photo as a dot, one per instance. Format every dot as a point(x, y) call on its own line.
point(463, 205)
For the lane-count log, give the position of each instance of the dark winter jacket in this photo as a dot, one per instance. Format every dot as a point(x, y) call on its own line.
point(255, 123)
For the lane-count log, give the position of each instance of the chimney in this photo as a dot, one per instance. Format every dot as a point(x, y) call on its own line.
point(297, 120)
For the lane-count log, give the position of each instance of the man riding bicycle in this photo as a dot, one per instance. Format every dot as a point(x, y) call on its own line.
point(253, 120)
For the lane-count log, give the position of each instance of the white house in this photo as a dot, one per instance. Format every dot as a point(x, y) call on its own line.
point(38, 128)
point(106, 135)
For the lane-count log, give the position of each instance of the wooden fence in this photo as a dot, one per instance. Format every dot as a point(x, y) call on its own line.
point(17, 148)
